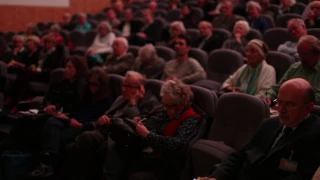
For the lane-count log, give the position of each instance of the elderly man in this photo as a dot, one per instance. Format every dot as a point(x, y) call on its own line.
point(297, 28)
point(284, 147)
point(134, 102)
point(184, 68)
point(208, 40)
point(226, 19)
point(153, 6)
point(19, 52)
point(120, 61)
point(129, 26)
point(308, 68)
point(83, 25)
point(148, 63)
point(66, 22)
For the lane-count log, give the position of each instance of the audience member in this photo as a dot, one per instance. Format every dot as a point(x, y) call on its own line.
point(62, 129)
point(19, 53)
point(255, 77)
point(31, 30)
point(120, 61)
point(5, 53)
point(307, 68)
point(112, 18)
point(226, 19)
point(55, 31)
point(208, 40)
point(153, 7)
point(311, 15)
point(135, 101)
point(255, 20)
point(284, 147)
point(118, 8)
point(101, 45)
point(148, 63)
point(288, 6)
point(240, 8)
point(83, 25)
point(174, 4)
point(129, 26)
point(184, 68)
point(66, 22)
point(238, 41)
point(267, 9)
point(207, 6)
point(176, 28)
point(297, 29)
point(187, 17)
point(166, 134)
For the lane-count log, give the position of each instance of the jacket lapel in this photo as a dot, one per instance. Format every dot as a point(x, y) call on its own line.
point(119, 102)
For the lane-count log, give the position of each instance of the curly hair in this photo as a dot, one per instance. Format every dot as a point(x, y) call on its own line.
point(179, 91)
point(80, 65)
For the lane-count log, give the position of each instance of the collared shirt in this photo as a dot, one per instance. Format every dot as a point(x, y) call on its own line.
point(296, 70)
point(126, 29)
point(203, 42)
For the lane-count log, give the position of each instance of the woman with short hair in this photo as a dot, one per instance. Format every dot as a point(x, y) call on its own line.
point(256, 21)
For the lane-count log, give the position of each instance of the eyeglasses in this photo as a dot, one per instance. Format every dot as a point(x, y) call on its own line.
point(130, 86)
point(288, 105)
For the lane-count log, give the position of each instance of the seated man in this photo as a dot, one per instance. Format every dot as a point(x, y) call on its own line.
point(129, 26)
point(120, 61)
point(308, 68)
point(148, 63)
point(284, 147)
point(165, 134)
point(297, 28)
point(134, 102)
point(184, 68)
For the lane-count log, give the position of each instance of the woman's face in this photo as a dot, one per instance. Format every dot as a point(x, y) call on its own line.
point(253, 55)
point(94, 85)
point(103, 30)
point(175, 31)
point(70, 71)
point(171, 106)
point(241, 29)
point(253, 12)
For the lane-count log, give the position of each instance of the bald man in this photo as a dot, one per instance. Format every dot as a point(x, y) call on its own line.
point(284, 147)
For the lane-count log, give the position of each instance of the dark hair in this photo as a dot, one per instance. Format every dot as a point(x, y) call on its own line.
point(104, 88)
point(80, 65)
point(186, 38)
point(311, 94)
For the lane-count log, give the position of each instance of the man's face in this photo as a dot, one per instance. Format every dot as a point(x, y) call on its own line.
point(241, 29)
point(181, 47)
point(205, 30)
point(128, 15)
point(226, 9)
point(130, 86)
point(118, 47)
point(307, 55)
point(297, 30)
point(292, 106)
point(18, 42)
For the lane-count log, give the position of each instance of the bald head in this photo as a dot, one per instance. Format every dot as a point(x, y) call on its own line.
point(301, 87)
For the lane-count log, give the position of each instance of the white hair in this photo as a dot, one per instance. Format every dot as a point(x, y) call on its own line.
point(55, 27)
point(254, 4)
point(298, 21)
point(178, 91)
point(149, 51)
point(19, 37)
point(242, 22)
point(178, 24)
point(124, 41)
point(311, 40)
point(308, 9)
point(206, 23)
point(137, 75)
point(105, 24)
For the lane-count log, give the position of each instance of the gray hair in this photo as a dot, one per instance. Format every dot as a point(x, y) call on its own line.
point(137, 75)
point(206, 23)
point(106, 24)
point(124, 41)
point(149, 51)
point(243, 22)
point(292, 2)
point(308, 9)
point(177, 90)
point(254, 4)
point(298, 21)
point(180, 25)
point(83, 15)
point(55, 27)
point(18, 36)
point(311, 40)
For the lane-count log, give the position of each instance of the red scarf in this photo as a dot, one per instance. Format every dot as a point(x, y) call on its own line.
point(172, 127)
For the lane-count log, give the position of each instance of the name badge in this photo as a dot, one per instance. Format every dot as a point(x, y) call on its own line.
point(288, 165)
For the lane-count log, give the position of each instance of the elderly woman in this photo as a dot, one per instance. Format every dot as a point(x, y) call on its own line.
point(238, 41)
point(83, 25)
point(176, 28)
point(19, 52)
point(164, 135)
point(148, 63)
point(102, 45)
point(255, 77)
point(288, 6)
point(311, 15)
point(255, 20)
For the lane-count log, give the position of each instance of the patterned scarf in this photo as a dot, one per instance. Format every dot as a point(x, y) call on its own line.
point(253, 78)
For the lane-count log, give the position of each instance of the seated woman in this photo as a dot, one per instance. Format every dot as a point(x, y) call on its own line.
point(255, 77)
point(288, 6)
point(165, 135)
point(19, 52)
point(176, 28)
point(255, 20)
point(101, 46)
point(62, 129)
point(238, 41)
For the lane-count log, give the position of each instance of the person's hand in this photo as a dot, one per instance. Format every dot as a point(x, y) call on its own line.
point(142, 130)
point(62, 116)
point(135, 98)
point(142, 35)
point(214, 12)
point(136, 119)
point(33, 68)
point(232, 89)
point(75, 124)
point(103, 121)
point(171, 78)
point(268, 101)
point(206, 178)
point(51, 109)
point(11, 63)
point(237, 37)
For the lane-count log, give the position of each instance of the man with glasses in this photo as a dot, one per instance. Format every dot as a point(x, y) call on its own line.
point(297, 29)
point(135, 101)
point(284, 147)
point(307, 68)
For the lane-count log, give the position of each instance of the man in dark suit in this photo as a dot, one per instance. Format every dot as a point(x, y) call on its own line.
point(129, 26)
point(208, 40)
point(284, 147)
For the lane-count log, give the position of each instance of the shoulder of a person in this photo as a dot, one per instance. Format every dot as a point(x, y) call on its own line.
point(295, 65)
point(128, 55)
point(267, 66)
